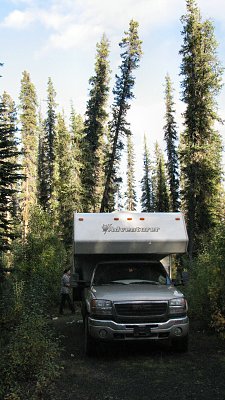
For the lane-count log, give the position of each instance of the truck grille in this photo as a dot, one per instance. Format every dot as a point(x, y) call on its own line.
point(141, 309)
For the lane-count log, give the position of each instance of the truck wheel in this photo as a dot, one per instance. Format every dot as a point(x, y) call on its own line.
point(180, 344)
point(88, 340)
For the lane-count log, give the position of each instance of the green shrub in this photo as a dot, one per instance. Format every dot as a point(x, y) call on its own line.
point(29, 352)
point(206, 288)
point(197, 290)
point(43, 255)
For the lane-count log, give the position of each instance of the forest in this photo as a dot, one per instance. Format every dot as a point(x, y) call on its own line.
point(52, 165)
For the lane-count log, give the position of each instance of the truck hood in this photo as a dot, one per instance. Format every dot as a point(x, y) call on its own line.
point(135, 292)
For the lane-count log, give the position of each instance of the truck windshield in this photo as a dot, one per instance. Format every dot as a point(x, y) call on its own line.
point(130, 273)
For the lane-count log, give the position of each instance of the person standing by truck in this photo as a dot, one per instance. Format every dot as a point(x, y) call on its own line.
point(65, 292)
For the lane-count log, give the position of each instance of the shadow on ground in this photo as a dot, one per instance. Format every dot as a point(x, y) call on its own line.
point(143, 371)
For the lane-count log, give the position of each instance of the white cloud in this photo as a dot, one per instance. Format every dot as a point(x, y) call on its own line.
point(18, 19)
point(27, 2)
point(53, 20)
point(81, 22)
point(74, 22)
point(73, 36)
point(23, 19)
point(67, 17)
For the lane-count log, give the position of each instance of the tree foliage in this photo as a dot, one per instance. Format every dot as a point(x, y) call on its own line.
point(29, 139)
point(65, 184)
point(47, 152)
point(118, 126)
point(201, 144)
point(77, 149)
point(30, 353)
point(161, 188)
point(10, 171)
point(205, 290)
point(130, 195)
point(147, 197)
point(171, 138)
point(95, 130)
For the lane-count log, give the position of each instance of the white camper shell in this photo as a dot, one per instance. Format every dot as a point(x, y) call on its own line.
point(129, 232)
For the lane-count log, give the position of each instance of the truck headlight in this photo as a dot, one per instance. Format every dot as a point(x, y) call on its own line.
point(178, 306)
point(101, 307)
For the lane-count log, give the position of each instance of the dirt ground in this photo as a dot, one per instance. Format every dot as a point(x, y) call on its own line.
point(143, 371)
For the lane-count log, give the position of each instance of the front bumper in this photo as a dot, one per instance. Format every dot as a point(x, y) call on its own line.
point(108, 330)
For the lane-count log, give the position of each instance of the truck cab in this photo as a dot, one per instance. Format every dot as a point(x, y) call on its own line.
point(126, 292)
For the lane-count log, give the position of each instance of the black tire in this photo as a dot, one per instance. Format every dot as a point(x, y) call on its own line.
point(180, 344)
point(89, 342)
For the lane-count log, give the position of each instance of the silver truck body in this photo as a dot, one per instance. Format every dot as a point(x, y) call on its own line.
point(125, 291)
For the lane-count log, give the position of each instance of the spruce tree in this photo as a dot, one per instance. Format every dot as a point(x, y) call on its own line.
point(10, 170)
point(43, 176)
point(29, 138)
point(64, 179)
point(131, 196)
point(47, 152)
point(50, 126)
point(95, 130)
point(78, 149)
point(161, 196)
point(171, 138)
point(147, 197)
point(201, 144)
point(118, 126)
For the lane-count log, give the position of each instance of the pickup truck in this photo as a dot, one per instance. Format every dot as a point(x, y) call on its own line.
point(122, 277)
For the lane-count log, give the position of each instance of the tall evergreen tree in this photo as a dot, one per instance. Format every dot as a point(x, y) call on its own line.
point(147, 196)
point(201, 144)
point(131, 196)
point(170, 136)
point(50, 126)
point(42, 183)
point(28, 118)
point(78, 150)
point(10, 169)
point(161, 196)
point(47, 151)
point(95, 130)
point(118, 126)
point(64, 179)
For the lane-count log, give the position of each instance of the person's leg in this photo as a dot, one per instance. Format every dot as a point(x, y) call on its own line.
point(62, 303)
point(70, 304)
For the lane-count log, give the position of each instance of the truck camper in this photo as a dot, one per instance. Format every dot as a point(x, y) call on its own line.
point(120, 277)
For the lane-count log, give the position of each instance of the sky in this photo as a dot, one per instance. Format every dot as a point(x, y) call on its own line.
point(57, 39)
